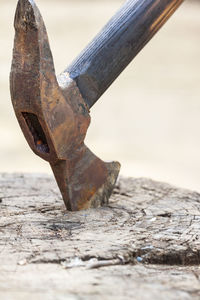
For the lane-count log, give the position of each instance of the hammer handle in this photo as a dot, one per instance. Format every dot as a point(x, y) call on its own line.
point(101, 62)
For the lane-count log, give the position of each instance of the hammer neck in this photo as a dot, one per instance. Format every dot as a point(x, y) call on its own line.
point(71, 91)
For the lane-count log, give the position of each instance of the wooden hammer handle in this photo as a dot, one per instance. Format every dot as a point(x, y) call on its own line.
point(101, 62)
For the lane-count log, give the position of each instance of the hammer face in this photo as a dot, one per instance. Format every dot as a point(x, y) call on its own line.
point(53, 118)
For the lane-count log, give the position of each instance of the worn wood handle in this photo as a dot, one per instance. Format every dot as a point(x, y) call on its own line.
point(100, 63)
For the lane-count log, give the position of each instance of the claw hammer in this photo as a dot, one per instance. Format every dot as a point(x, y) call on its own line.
point(53, 112)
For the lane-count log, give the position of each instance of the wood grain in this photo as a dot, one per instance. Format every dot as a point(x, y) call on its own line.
point(145, 244)
point(109, 53)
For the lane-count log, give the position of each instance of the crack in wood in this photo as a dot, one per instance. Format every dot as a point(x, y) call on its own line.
point(147, 224)
point(148, 229)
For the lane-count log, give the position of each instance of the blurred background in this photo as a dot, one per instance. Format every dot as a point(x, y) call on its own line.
point(149, 119)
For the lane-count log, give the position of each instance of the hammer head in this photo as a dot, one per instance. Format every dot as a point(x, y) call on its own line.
point(53, 115)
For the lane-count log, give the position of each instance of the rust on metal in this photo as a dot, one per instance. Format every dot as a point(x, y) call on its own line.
point(54, 117)
point(53, 112)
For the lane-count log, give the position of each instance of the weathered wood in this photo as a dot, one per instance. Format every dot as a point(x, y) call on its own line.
point(101, 62)
point(144, 245)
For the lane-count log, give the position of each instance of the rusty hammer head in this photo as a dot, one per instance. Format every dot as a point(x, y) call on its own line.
point(54, 116)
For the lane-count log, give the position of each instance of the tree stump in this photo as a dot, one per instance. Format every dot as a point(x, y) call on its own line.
point(144, 245)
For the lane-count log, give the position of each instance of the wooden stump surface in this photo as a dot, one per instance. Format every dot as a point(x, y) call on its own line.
point(144, 245)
